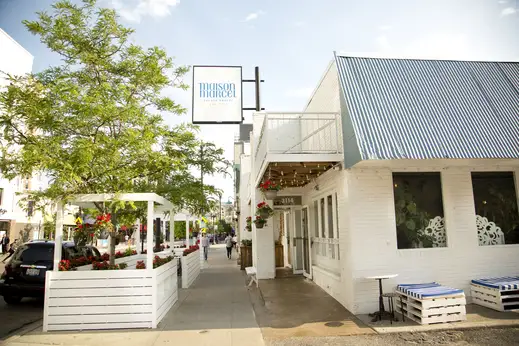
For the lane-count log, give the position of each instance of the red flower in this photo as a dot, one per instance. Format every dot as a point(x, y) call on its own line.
point(92, 235)
point(80, 226)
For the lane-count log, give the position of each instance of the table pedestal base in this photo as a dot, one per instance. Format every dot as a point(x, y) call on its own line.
point(380, 315)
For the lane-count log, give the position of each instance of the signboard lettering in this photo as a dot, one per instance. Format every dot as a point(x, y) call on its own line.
point(217, 95)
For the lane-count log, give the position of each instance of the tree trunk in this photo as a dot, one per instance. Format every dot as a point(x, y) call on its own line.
point(113, 235)
point(112, 247)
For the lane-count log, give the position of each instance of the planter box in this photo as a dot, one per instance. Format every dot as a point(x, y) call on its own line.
point(280, 260)
point(245, 257)
point(130, 260)
point(109, 299)
point(190, 268)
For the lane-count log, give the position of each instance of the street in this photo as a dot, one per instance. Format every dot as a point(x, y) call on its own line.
point(15, 317)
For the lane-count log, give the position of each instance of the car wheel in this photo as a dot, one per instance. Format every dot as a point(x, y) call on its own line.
point(12, 299)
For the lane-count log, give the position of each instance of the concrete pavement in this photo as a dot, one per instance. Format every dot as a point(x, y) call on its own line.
point(216, 310)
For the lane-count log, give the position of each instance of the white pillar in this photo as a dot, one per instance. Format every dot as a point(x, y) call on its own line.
point(149, 238)
point(265, 249)
point(187, 230)
point(171, 229)
point(59, 235)
point(138, 237)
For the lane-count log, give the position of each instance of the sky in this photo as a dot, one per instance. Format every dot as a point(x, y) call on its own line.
point(292, 41)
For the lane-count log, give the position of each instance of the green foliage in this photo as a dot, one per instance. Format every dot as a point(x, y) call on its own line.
point(224, 227)
point(410, 220)
point(94, 123)
point(180, 229)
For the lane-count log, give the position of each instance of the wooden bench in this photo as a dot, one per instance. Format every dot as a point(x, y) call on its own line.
point(251, 272)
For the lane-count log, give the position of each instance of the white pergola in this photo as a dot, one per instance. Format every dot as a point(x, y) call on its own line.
point(156, 203)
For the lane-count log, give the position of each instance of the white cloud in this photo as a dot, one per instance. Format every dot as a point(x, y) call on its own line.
point(299, 92)
point(253, 15)
point(502, 2)
point(508, 11)
point(299, 23)
point(134, 10)
point(383, 42)
point(385, 27)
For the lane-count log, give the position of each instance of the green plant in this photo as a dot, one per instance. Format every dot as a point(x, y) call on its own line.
point(410, 220)
point(264, 210)
point(246, 242)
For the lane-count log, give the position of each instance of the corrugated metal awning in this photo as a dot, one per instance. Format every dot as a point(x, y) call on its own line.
point(428, 109)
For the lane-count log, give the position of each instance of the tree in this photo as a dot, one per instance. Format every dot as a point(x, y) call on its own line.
point(93, 124)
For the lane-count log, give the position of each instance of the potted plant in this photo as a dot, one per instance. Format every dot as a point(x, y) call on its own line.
point(270, 189)
point(260, 222)
point(264, 210)
point(248, 225)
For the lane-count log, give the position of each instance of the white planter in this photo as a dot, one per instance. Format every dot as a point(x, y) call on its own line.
point(109, 299)
point(190, 268)
point(131, 261)
point(270, 195)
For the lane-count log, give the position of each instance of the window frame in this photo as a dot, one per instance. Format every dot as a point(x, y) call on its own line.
point(442, 194)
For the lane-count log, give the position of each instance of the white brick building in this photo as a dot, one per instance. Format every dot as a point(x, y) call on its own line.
point(404, 167)
point(15, 60)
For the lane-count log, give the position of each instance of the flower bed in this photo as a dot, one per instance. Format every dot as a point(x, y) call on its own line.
point(189, 250)
point(157, 262)
point(109, 299)
point(190, 262)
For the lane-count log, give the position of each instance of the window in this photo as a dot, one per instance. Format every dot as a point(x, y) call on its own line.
point(495, 201)
point(330, 216)
point(30, 208)
point(316, 219)
point(337, 213)
point(419, 210)
point(1, 195)
point(322, 219)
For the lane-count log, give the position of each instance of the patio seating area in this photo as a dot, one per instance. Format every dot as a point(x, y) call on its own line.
point(500, 293)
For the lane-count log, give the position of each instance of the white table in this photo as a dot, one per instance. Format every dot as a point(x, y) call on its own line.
point(381, 311)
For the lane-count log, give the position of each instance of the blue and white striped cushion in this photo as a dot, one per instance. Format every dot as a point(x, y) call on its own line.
point(504, 283)
point(428, 290)
point(405, 287)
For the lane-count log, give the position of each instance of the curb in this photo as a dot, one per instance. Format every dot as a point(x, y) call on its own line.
point(17, 333)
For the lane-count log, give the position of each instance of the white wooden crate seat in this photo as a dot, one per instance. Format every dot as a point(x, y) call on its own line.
point(251, 272)
point(498, 293)
point(431, 302)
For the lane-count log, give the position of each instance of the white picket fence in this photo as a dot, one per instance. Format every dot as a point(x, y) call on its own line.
point(109, 299)
point(190, 268)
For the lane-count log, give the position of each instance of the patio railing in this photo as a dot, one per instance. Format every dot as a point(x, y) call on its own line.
point(298, 133)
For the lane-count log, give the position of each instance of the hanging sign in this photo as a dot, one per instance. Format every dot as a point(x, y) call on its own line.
point(287, 201)
point(217, 95)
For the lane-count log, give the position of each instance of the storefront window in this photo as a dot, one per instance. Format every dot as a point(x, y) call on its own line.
point(495, 201)
point(316, 219)
point(323, 215)
point(330, 216)
point(419, 210)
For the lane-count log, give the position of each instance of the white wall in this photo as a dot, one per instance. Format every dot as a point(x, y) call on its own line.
point(326, 98)
point(245, 166)
point(334, 278)
point(17, 61)
point(371, 219)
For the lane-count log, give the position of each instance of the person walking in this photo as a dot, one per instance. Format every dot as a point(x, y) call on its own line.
point(228, 245)
point(205, 245)
point(3, 244)
point(12, 249)
point(235, 242)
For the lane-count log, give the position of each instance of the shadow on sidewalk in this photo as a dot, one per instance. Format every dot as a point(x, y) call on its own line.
point(295, 306)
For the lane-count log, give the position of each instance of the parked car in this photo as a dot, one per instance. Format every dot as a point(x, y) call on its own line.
point(24, 274)
point(86, 250)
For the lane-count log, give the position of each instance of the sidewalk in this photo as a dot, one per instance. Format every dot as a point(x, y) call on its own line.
point(216, 310)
